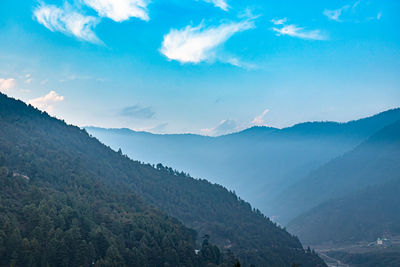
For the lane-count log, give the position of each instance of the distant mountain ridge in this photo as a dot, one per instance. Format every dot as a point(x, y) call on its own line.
point(259, 163)
point(355, 197)
point(373, 162)
point(368, 123)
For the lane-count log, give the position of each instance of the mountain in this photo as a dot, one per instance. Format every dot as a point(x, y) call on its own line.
point(83, 223)
point(359, 194)
point(96, 187)
point(362, 216)
point(374, 162)
point(56, 211)
point(258, 163)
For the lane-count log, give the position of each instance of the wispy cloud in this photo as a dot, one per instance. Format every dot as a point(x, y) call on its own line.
point(260, 119)
point(7, 84)
point(28, 78)
point(68, 21)
point(47, 102)
point(160, 128)
point(120, 10)
point(352, 13)
point(137, 112)
point(279, 21)
point(336, 13)
point(224, 127)
point(299, 32)
point(222, 4)
point(197, 44)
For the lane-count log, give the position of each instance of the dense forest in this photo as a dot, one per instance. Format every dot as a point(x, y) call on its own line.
point(89, 224)
point(87, 190)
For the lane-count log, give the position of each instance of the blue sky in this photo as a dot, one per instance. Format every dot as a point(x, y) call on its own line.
point(201, 66)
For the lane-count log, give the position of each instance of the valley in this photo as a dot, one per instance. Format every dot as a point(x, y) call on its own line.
point(362, 253)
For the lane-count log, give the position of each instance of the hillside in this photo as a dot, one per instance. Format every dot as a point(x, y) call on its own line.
point(363, 216)
point(83, 223)
point(278, 157)
point(58, 156)
point(374, 162)
point(55, 212)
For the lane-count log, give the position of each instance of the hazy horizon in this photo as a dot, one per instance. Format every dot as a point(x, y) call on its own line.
point(239, 130)
point(218, 67)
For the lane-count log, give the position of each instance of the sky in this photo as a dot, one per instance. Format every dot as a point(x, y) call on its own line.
point(201, 66)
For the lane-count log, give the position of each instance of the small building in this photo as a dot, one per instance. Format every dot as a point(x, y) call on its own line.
point(383, 242)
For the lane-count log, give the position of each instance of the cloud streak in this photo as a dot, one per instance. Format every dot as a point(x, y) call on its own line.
point(260, 119)
point(120, 10)
point(67, 21)
point(351, 13)
point(47, 102)
point(137, 112)
point(279, 21)
point(222, 4)
point(296, 31)
point(224, 127)
point(335, 14)
point(198, 44)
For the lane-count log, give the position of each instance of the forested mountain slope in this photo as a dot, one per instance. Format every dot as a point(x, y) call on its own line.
point(363, 216)
point(278, 157)
point(54, 211)
point(374, 162)
point(83, 223)
point(62, 157)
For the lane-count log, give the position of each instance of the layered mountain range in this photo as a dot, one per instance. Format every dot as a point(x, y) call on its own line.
point(68, 200)
point(274, 169)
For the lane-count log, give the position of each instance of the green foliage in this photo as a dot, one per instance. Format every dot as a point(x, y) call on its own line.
point(76, 227)
point(80, 199)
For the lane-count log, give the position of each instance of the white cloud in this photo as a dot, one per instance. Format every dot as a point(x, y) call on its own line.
point(67, 21)
point(299, 32)
point(335, 14)
point(224, 127)
point(28, 81)
point(222, 4)
point(279, 21)
point(197, 44)
point(355, 13)
point(7, 84)
point(260, 119)
point(46, 102)
point(120, 10)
